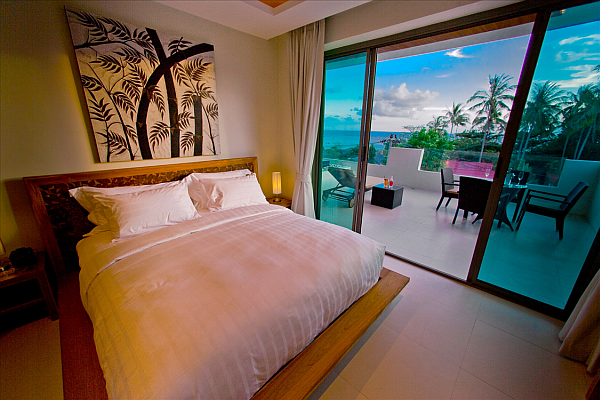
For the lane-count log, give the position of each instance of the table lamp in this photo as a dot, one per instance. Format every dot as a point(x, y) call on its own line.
point(277, 186)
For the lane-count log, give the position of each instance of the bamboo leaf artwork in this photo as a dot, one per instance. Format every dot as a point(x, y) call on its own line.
point(158, 133)
point(187, 141)
point(148, 95)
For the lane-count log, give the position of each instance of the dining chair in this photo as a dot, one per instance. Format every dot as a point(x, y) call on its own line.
point(556, 206)
point(473, 196)
point(449, 186)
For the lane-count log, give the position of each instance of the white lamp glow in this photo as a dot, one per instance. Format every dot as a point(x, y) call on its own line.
point(2, 249)
point(277, 185)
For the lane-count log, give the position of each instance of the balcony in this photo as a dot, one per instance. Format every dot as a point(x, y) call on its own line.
point(531, 261)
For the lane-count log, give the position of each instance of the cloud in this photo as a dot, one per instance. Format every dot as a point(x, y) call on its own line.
point(401, 102)
point(338, 122)
point(457, 53)
point(443, 76)
point(358, 111)
point(593, 39)
point(574, 83)
point(571, 56)
point(582, 75)
point(582, 70)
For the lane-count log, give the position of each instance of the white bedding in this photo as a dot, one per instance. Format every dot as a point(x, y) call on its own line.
point(213, 307)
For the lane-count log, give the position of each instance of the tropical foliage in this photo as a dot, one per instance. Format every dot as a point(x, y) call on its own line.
point(555, 125)
point(457, 116)
point(434, 138)
point(492, 108)
point(145, 101)
point(541, 117)
point(338, 153)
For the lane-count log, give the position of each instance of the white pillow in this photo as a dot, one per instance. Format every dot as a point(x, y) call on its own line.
point(220, 175)
point(234, 192)
point(196, 186)
point(85, 196)
point(137, 212)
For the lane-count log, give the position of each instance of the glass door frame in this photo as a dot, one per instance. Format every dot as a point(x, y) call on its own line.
point(365, 137)
point(438, 32)
point(365, 131)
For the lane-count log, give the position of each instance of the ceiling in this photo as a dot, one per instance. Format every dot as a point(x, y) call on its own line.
point(265, 19)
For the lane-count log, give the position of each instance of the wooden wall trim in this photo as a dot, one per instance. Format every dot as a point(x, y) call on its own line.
point(62, 221)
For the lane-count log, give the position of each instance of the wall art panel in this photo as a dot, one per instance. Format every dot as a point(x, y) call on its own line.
point(149, 95)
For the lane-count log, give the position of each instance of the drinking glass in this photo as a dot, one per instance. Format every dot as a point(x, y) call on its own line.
point(488, 172)
point(521, 175)
point(385, 182)
point(510, 178)
point(391, 181)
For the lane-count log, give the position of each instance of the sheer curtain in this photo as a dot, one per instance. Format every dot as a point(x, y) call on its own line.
point(305, 48)
point(581, 333)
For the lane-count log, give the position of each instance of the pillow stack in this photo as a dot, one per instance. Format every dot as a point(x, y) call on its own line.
point(130, 210)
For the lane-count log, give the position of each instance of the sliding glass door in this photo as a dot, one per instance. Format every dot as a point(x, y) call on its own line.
point(446, 96)
point(550, 204)
point(440, 105)
point(344, 87)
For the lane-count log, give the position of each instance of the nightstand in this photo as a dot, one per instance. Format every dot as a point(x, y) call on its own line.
point(287, 203)
point(36, 272)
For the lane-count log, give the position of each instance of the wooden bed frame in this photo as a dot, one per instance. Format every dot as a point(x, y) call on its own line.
point(63, 221)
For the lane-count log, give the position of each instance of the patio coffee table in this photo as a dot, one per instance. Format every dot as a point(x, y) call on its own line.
point(387, 197)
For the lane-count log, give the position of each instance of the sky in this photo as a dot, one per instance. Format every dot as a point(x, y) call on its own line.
point(413, 90)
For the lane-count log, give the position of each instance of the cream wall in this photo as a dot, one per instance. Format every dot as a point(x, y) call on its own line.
point(377, 19)
point(43, 126)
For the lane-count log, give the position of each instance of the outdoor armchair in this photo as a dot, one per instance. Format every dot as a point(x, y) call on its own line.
point(556, 206)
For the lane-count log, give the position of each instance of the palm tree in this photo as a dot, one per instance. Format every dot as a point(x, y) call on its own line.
point(457, 116)
point(438, 125)
point(581, 117)
point(541, 117)
point(491, 104)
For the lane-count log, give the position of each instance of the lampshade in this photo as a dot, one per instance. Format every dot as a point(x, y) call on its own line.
point(276, 183)
point(2, 249)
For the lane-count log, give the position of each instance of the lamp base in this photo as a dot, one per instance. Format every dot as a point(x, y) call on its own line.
point(277, 200)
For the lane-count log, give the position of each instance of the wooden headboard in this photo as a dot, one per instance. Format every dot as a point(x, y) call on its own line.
point(63, 222)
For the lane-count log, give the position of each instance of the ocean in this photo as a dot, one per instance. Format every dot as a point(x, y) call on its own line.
point(348, 139)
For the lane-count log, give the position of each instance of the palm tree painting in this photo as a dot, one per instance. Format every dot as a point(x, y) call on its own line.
point(148, 95)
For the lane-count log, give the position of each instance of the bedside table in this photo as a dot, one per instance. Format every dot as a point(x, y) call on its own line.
point(36, 272)
point(287, 203)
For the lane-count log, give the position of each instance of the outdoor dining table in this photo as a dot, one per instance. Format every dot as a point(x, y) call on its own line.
point(509, 192)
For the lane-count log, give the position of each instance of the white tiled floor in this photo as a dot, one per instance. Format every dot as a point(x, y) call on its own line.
point(439, 339)
point(443, 340)
point(531, 261)
point(417, 232)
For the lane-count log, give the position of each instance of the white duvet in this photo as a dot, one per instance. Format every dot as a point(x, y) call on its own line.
point(213, 307)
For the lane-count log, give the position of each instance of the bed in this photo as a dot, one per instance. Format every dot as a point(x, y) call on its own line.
point(227, 304)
